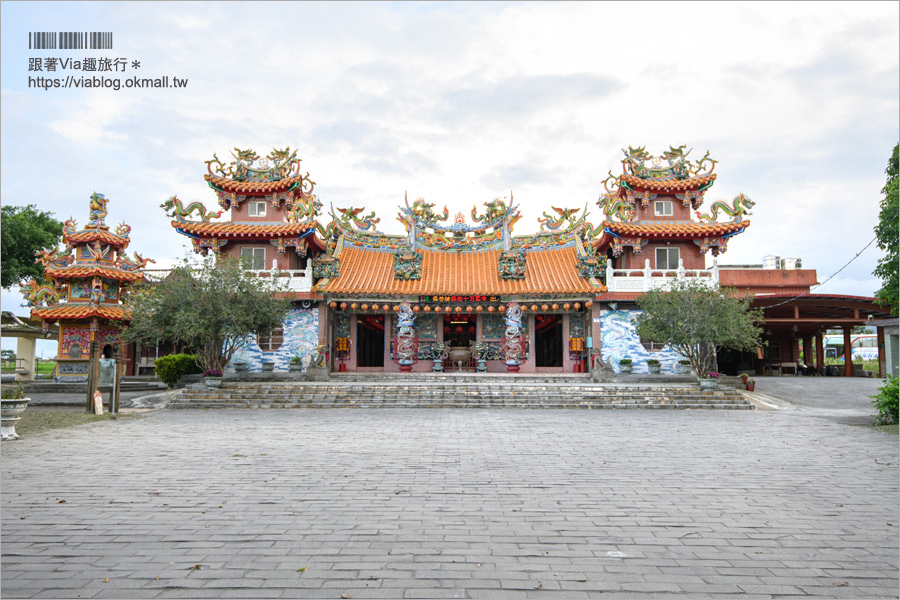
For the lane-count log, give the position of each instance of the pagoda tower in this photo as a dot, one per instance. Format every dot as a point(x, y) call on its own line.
point(88, 282)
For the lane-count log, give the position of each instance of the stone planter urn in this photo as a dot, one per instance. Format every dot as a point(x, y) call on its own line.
point(708, 384)
point(268, 367)
point(10, 409)
point(241, 366)
point(655, 369)
point(684, 369)
point(213, 382)
point(625, 368)
point(459, 356)
point(295, 367)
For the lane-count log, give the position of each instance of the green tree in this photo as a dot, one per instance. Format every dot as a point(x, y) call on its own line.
point(887, 233)
point(26, 230)
point(210, 310)
point(691, 315)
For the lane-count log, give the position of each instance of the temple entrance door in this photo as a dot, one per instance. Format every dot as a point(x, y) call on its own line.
point(370, 341)
point(548, 342)
point(459, 330)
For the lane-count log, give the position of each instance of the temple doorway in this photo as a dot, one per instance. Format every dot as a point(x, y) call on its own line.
point(548, 342)
point(459, 330)
point(370, 341)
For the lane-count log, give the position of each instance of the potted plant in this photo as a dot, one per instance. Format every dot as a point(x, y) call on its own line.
point(296, 365)
point(653, 365)
point(212, 378)
point(12, 404)
point(625, 365)
point(751, 385)
point(684, 367)
point(708, 380)
point(744, 377)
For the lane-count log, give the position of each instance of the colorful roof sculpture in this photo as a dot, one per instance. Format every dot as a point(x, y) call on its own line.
point(277, 175)
point(436, 257)
point(646, 178)
point(88, 278)
point(275, 179)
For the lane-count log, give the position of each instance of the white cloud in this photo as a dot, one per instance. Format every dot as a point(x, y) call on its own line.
point(461, 103)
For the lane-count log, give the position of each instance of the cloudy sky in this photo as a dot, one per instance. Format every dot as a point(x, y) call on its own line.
point(463, 102)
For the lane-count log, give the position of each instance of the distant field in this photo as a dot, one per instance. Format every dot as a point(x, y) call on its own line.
point(42, 367)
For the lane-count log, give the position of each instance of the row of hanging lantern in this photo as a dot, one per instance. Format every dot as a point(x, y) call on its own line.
point(478, 308)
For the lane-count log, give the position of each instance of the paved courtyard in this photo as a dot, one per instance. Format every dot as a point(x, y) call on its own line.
point(452, 503)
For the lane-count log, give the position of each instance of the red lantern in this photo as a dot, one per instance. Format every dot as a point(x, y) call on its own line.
point(479, 308)
point(332, 304)
point(427, 308)
point(588, 304)
point(416, 308)
point(567, 306)
point(534, 308)
point(343, 305)
point(354, 306)
point(555, 307)
point(437, 309)
point(458, 309)
point(545, 308)
point(375, 307)
point(469, 309)
point(491, 309)
point(501, 308)
point(576, 306)
point(396, 307)
point(365, 307)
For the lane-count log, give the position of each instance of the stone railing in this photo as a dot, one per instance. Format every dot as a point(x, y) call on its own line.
point(646, 279)
point(299, 280)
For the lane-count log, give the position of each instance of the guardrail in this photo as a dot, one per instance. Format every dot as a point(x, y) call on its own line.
point(298, 280)
point(646, 279)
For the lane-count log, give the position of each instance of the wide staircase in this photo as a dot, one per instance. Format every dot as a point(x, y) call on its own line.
point(374, 390)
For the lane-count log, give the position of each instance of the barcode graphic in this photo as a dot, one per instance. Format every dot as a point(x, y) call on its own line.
point(70, 40)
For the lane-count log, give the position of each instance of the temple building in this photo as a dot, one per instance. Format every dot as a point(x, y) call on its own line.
point(463, 292)
point(88, 282)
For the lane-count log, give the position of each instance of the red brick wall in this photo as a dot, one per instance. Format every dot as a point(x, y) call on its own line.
point(788, 281)
point(679, 212)
point(273, 214)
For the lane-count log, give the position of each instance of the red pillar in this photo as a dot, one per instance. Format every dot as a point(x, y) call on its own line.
point(820, 353)
point(881, 358)
point(848, 353)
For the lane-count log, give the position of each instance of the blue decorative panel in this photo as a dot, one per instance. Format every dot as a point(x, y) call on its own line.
point(619, 340)
point(426, 326)
point(301, 336)
point(342, 325)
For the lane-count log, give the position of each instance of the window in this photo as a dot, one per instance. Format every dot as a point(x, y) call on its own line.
point(663, 208)
point(773, 351)
point(652, 346)
point(271, 342)
point(256, 209)
point(667, 258)
point(255, 257)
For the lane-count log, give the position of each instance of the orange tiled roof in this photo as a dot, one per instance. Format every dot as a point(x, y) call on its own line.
point(691, 229)
point(89, 235)
point(252, 187)
point(365, 270)
point(74, 310)
point(231, 229)
point(91, 270)
point(667, 185)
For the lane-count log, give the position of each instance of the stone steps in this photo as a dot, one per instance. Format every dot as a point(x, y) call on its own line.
point(561, 393)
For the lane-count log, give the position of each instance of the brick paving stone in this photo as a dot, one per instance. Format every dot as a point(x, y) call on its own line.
point(408, 503)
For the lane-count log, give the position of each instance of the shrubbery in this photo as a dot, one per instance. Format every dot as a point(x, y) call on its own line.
point(170, 368)
point(886, 401)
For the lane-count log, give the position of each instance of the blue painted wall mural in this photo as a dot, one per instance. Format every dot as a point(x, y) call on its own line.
point(301, 336)
point(619, 340)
